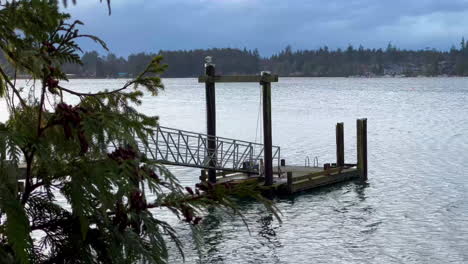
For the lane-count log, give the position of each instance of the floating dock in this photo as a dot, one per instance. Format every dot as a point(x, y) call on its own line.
point(281, 179)
point(298, 178)
point(290, 179)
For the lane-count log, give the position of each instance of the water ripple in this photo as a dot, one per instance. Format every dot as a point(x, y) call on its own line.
point(414, 208)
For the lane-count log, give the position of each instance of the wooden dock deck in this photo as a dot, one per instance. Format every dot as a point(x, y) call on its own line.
point(289, 179)
point(295, 179)
point(300, 178)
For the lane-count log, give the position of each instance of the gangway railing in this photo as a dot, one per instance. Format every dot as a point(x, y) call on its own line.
point(184, 148)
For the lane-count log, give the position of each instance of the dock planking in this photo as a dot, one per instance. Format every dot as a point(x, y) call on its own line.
point(293, 179)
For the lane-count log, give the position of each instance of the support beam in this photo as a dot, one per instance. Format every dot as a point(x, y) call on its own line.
point(340, 145)
point(289, 178)
point(362, 148)
point(238, 78)
point(211, 117)
point(267, 138)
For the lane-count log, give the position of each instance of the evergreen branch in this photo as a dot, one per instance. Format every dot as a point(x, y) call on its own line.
point(96, 39)
point(96, 94)
point(67, 36)
point(28, 184)
point(40, 108)
point(12, 86)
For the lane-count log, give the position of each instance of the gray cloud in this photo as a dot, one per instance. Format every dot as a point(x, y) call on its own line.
point(270, 25)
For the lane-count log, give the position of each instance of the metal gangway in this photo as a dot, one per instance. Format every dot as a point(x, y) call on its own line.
point(184, 148)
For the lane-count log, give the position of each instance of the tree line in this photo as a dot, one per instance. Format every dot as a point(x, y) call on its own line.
point(180, 63)
point(322, 62)
point(370, 62)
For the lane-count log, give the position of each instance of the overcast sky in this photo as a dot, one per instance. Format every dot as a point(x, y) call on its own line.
point(270, 25)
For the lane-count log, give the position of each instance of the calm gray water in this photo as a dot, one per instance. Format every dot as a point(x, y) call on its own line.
point(414, 208)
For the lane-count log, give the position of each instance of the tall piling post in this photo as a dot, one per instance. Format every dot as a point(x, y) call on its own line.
point(340, 161)
point(267, 138)
point(289, 181)
point(211, 117)
point(361, 125)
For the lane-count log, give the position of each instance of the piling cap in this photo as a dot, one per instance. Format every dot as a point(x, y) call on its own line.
point(264, 76)
point(265, 73)
point(208, 61)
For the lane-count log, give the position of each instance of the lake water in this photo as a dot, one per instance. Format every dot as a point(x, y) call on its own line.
point(414, 207)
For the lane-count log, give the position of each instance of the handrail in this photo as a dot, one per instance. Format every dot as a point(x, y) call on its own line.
point(186, 148)
point(176, 130)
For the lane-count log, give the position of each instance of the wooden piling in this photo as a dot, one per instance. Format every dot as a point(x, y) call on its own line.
point(340, 145)
point(283, 162)
point(267, 139)
point(289, 180)
point(265, 79)
point(211, 117)
point(361, 136)
point(202, 176)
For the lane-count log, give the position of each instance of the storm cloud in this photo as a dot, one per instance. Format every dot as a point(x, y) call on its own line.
point(270, 25)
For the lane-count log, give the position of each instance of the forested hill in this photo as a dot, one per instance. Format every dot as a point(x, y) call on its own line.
point(351, 61)
point(180, 63)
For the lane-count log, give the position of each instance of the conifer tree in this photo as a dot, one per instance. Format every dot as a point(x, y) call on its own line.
point(87, 152)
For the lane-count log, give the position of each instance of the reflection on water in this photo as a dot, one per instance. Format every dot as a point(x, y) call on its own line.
point(227, 240)
point(414, 208)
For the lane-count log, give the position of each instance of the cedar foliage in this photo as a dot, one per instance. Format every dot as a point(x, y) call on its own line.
point(88, 153)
